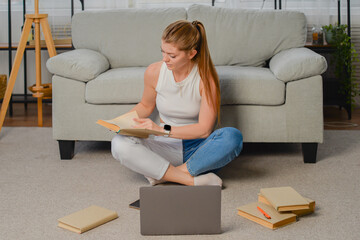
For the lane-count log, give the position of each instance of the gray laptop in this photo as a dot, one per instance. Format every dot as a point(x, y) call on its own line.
point(180, 210)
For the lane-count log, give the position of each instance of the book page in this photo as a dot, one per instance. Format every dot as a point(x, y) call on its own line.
point(125, 121)
point(124, 125)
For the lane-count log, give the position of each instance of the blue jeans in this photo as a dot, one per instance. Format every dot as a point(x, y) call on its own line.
point(214, 152)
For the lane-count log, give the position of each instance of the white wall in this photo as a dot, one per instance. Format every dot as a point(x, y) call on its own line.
point(60, 10)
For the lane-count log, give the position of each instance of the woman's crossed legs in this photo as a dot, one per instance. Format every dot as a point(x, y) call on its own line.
point(163, 161)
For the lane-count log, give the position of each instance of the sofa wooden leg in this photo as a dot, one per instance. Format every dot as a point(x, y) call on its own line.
point(66, 149)
point(309, 152)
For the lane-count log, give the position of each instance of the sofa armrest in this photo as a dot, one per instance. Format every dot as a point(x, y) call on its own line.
point(297, 63)
point(79, 64)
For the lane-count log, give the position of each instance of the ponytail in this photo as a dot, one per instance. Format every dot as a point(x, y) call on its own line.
point(191, 35)
point(207, 71)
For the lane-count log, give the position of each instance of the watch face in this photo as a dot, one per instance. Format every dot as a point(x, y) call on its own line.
point(167, 127)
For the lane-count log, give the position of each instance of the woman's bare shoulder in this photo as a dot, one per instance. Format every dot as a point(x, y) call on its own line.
point(152, 73)
point(154, 69)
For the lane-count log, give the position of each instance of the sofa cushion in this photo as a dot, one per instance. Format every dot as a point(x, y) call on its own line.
point(239, 85)
point(249, 37)
point(250, 86)
point(120, 85)
point(297, 63)
point(126, 37)
point(79, 64)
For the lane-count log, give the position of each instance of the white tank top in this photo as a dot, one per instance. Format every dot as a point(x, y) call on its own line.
point(178, 103)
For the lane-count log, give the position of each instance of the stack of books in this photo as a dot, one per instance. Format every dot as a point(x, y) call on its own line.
point(277, 207)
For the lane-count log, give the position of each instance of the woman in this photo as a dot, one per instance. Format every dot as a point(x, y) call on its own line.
point(184, 87)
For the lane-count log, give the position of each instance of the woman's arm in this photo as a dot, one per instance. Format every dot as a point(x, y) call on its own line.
point(202, 129)
point(147, 104)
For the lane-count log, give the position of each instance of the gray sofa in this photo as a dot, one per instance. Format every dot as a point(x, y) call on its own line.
point(271, 87)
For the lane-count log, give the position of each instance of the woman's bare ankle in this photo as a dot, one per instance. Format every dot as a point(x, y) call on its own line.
point(183, 168)
point(175, 174)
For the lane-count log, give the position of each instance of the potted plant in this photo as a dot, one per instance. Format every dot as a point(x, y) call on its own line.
point(344, 58)
point(328, 33)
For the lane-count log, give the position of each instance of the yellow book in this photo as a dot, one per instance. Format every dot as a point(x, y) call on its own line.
point(87, 219)
point(285, 199)
point(123, 125)
point(251, 212)
point(298, 213)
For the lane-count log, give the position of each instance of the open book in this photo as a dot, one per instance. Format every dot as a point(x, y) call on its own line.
point(124, 125)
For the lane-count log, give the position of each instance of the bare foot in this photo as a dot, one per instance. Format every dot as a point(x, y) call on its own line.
point(183, 168)
point(174, 174)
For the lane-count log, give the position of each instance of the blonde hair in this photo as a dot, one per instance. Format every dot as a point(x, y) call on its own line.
point(187, 36)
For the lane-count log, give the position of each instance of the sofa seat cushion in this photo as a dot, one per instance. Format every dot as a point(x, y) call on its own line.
point(120, 85)
point(239, 85)
point(250, 86)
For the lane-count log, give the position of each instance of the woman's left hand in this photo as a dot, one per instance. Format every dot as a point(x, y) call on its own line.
point(147, 123)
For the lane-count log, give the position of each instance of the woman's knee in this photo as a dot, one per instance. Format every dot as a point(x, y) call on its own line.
point(234, 137)
point(119, 148)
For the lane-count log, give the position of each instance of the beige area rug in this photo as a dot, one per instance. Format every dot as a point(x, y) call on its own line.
point(37, 188)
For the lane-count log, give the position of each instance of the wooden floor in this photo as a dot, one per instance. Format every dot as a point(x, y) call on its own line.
point(334, 118)
point(28, 117)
